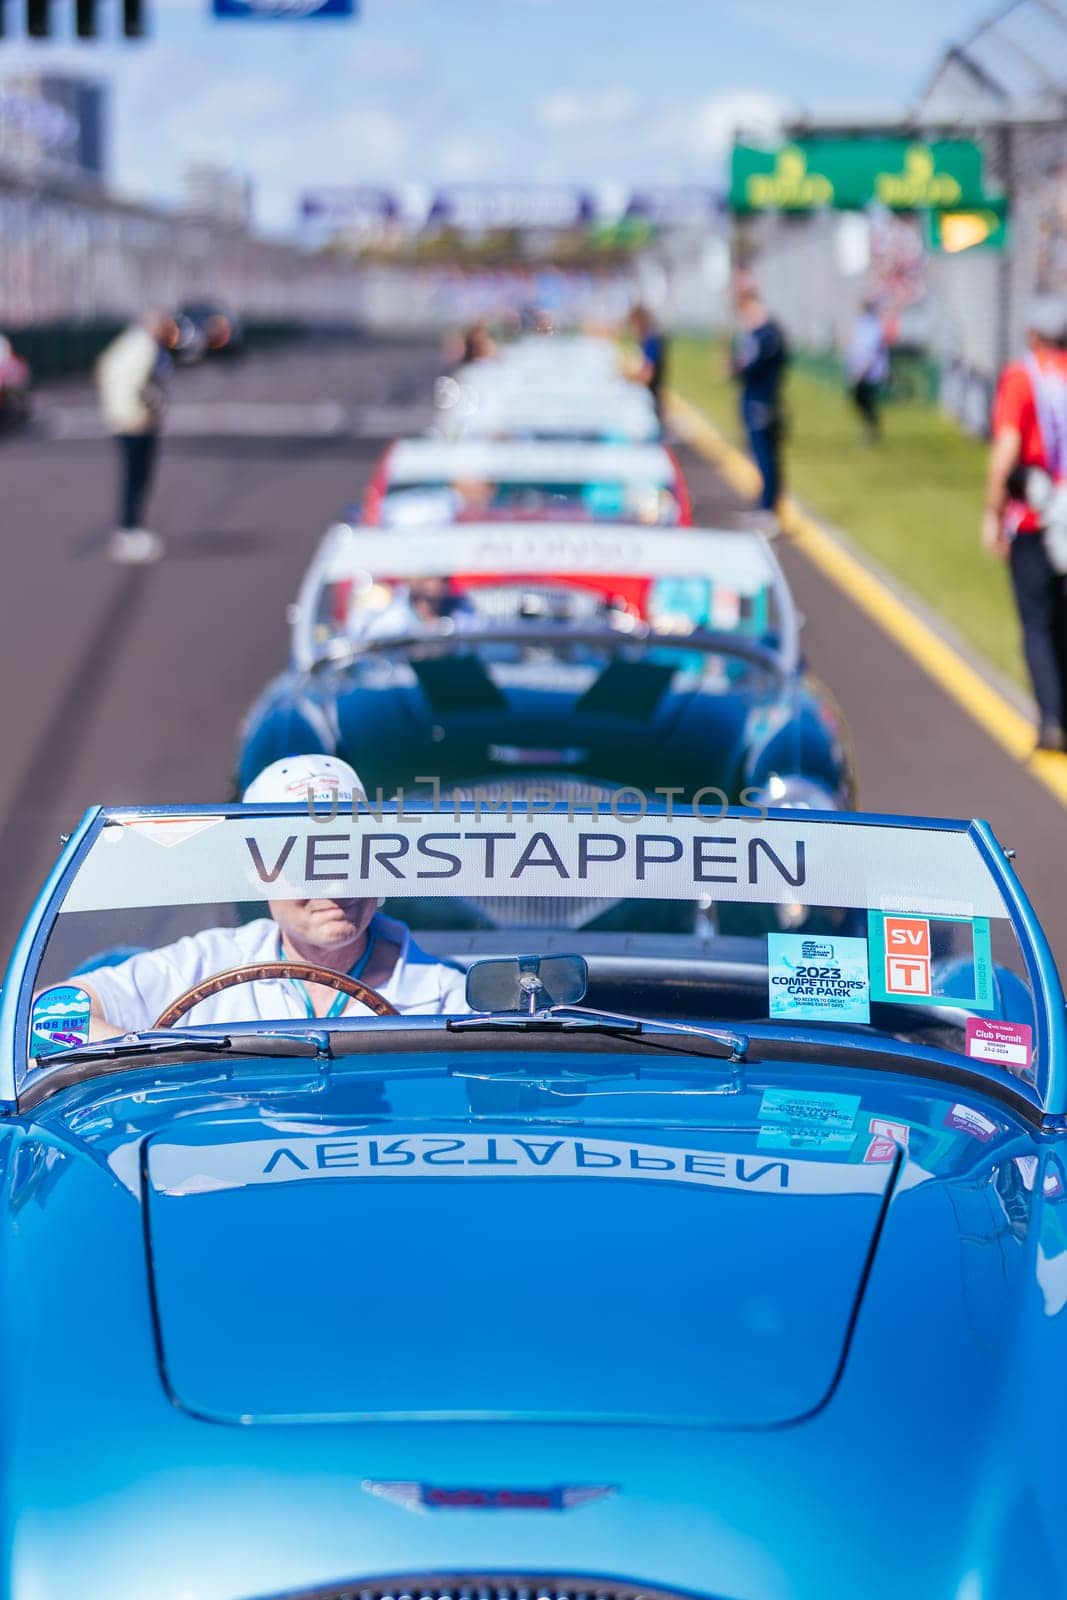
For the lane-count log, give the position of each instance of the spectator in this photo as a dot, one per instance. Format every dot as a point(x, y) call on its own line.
point(131, 377)
point(867, 366)
point(1030, 430)
point(478, 344)
point(758, 360)
point(652, 343)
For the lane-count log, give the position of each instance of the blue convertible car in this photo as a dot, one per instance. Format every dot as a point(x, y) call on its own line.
point(622, 1256)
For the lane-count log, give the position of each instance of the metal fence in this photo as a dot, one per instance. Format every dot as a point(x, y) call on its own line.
point(967, 312)
point(81, 258)
point(1004, 84)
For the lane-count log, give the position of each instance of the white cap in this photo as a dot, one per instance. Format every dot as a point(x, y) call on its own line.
point(1047, 317)
point(327, 780)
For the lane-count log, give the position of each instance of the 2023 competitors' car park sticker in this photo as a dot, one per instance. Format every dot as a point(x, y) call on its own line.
point(817, 979)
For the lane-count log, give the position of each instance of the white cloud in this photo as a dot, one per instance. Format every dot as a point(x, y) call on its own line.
point(391, 58)
point(881, 39)
point(706, 129)
point(461, 159)
point(358, 145)
point(56, 1009)
point(370, 140)
point(569, 109)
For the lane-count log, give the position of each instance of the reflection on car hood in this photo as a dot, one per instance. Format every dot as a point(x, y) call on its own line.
point(328, 1267)
point(963, 1303)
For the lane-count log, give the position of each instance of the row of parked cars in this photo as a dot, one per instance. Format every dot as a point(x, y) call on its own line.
point(536, 1142)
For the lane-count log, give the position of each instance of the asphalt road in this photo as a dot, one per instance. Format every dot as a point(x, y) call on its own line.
point(127, 685)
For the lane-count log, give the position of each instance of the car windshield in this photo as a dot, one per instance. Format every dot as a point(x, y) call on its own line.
point(787, 920)
point(427, 479)
point(603, 501)
point(571, 590)
point(480, 405)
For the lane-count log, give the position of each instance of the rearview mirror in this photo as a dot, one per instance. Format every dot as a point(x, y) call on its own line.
point(526, 983)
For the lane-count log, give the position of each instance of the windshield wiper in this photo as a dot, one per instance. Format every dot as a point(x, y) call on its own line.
point(187, 1041)
point(722, 1043)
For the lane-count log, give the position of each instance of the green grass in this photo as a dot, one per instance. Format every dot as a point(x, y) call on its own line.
point(914, 501)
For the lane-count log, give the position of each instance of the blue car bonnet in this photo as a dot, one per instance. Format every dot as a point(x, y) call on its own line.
point(342, 1274)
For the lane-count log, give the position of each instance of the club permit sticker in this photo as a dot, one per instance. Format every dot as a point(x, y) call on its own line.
point(1005, 1044)
point(818, 980)
point(59, 1020)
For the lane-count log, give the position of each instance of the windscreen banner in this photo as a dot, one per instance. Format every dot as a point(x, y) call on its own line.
point(525, 846)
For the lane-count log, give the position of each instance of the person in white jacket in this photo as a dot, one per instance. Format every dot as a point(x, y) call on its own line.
point(131, 377)
point(346, 936)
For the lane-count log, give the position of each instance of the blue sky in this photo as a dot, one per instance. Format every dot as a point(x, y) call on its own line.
point(542, 90)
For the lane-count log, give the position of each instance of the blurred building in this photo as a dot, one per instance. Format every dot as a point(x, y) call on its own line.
point(86, 259)
point(54, 126)
point(217, 193)
point(433, 258)
point(959, 295)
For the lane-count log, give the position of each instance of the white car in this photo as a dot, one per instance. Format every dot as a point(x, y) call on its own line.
point(424, 480)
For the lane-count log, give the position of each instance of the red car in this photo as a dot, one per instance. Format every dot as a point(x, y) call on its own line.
point(14, 385)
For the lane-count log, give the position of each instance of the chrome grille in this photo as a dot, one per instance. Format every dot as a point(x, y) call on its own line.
point(523, 789)
point(513, 911)
point(527, 911)
point(527, 791)
point(446, 1586)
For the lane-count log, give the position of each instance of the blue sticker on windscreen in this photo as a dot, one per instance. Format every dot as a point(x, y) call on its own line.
point(604, 499)
point(817, 980)
point(59, 1020)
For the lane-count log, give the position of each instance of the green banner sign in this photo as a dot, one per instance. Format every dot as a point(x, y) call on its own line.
point(847, 174)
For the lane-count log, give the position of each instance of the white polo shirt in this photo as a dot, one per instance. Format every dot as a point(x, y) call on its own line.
point(133, 993)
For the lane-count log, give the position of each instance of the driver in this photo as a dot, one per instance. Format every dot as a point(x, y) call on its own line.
point(346, 936)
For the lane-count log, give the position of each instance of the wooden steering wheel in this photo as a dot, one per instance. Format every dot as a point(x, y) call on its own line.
point(305, 971)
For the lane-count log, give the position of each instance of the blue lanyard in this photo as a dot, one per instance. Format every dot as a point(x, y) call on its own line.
point(341, 1000)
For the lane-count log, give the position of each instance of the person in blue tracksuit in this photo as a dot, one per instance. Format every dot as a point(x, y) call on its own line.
point(758, 360)
point(653, 345)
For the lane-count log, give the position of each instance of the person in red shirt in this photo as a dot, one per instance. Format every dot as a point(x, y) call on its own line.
point(1030, 430)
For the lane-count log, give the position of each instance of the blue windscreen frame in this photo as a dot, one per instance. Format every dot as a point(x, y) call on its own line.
point(1047, 1097)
